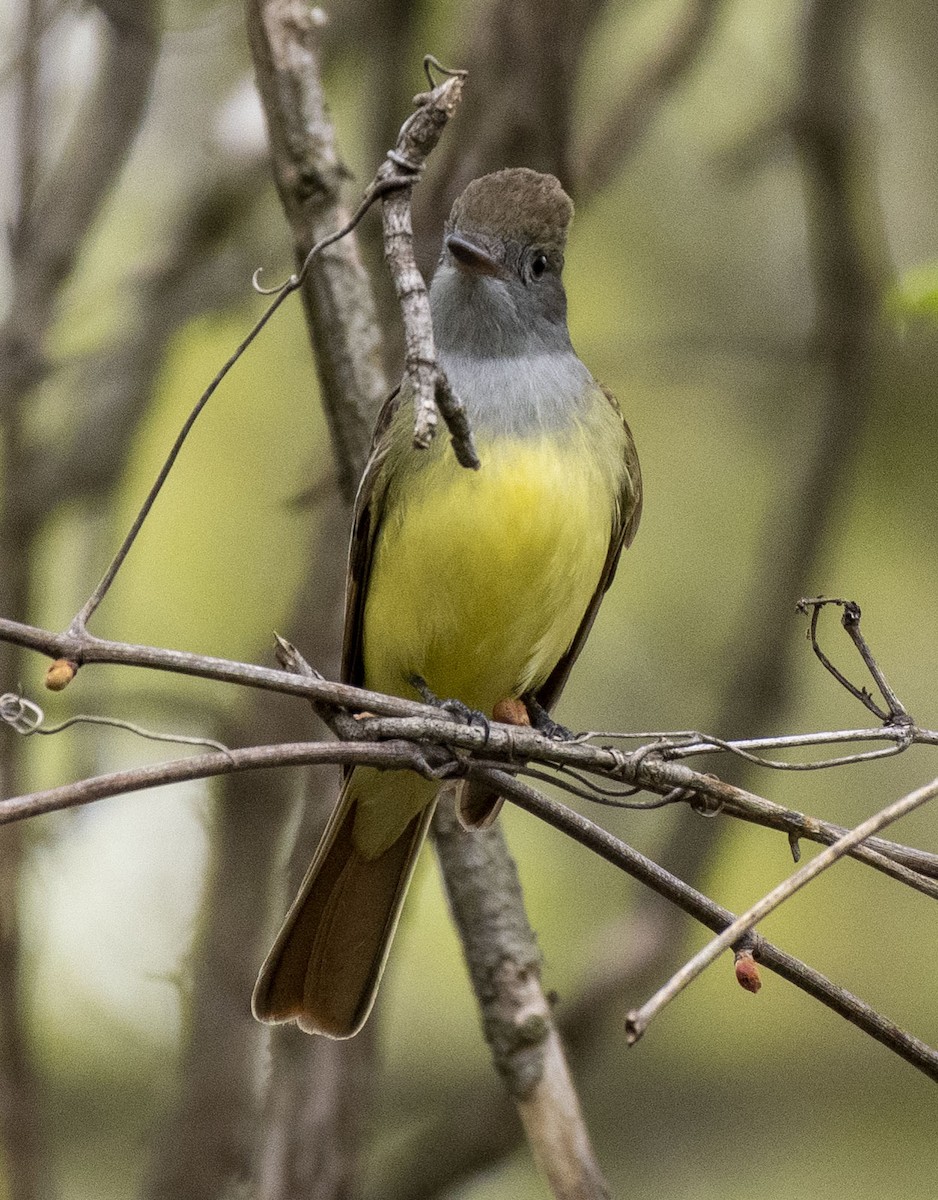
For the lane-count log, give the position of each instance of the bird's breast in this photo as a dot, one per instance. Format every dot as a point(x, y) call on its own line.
point(480, 579)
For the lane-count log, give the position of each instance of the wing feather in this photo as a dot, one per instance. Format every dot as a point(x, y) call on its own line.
point(365, 523)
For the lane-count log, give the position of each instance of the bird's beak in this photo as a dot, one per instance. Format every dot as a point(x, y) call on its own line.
point(471, 257)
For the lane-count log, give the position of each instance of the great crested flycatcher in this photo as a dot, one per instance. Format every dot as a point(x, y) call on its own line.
point(480, 585)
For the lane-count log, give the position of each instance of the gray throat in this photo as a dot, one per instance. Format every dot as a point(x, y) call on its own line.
point(516, 371)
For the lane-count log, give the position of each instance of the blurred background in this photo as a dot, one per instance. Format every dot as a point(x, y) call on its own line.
point(754, 271)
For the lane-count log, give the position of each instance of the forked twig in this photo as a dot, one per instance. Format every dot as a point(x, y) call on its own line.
point(895, 712)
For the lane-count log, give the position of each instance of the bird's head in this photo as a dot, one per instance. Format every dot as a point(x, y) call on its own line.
point(498, 288)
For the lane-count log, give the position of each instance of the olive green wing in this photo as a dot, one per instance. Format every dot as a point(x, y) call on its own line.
point(628, 513)
point(369, 505)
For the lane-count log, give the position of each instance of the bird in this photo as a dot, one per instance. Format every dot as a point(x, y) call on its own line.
point(475, 586)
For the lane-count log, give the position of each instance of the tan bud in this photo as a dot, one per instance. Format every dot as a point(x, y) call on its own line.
point(60, 674)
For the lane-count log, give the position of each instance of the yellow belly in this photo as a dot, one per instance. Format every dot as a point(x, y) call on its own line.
point(480, 579)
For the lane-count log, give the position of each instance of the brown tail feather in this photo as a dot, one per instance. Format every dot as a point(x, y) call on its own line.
point(325, 965)
point(477, 805)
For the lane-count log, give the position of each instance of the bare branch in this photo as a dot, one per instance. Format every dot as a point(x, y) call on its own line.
point(317, 1095)
point(714, 916)
point(481, 883)
point(91, 604)
point(85, 649)
point(639, 1020)
point(705, 743)
point(429, 385)
point(390, 755)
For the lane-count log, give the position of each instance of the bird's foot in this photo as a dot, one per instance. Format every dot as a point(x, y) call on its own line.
point(544, 723)
point(470, 716)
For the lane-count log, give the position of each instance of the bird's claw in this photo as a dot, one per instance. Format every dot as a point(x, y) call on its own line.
point(544, 723)
point(456, 708)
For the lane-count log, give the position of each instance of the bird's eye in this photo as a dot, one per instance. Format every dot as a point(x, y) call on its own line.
point(539, 265)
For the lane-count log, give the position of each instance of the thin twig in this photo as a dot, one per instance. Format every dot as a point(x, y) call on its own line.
point(80, 621)
point(639, 1019)
point(903, 739)
point(693, 744)
point(26, 718)
point(398, 172)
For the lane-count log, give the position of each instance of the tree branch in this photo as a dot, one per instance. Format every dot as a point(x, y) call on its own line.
point(485, 898)
point(434, 761)
point(427, 382)
point(651, 767)
point(337, 300)
point(318, 1091)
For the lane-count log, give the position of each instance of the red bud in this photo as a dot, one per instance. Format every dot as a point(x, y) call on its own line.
point(747, 972)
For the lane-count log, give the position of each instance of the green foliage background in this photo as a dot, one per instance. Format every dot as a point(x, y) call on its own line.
point(691, 296)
